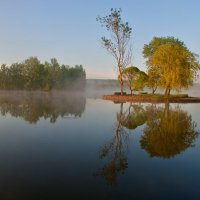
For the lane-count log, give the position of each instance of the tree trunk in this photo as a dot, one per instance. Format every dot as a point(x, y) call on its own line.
point(121, 86)
point(121, 82)
point(167, 91)
point(130, 87)
point(154, 90)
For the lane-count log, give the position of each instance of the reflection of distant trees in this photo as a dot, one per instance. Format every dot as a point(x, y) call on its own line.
point(168, 131)
point(31, 106)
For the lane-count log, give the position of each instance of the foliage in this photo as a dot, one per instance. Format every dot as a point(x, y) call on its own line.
point(153, 78)
point(171, 65)
point(150, 49)
point(129, 74)
point(118, 43)
point(135, 79)
point(140, 81)
point(32, 75)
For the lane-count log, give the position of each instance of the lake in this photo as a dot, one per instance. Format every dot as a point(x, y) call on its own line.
point(64, 146)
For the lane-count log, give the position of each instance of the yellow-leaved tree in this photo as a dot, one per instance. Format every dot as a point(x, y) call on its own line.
point(171, 65)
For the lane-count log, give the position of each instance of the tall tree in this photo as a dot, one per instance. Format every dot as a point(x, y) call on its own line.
point(118, 45)
point(170, 63)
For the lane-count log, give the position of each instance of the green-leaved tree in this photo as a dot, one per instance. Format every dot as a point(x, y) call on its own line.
point(135, 79)
point(140, 81)
point(129, 75)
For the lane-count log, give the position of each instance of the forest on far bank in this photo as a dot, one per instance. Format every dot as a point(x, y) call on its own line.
point(31, 74)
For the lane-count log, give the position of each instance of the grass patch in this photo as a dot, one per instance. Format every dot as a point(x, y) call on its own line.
point(156, 98)
point(160, 95)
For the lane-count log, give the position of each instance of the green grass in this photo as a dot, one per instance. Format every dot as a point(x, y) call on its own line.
point(160, 95)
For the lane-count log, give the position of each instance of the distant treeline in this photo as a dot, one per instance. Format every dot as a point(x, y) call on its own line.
point(34, 75)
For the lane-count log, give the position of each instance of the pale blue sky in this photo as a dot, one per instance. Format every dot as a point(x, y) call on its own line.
point(68, 31)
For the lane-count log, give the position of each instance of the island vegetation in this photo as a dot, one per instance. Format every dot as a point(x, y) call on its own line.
point(170, 63)
point(31, 74)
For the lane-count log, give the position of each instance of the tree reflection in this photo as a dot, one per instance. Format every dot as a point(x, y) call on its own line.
point(115, 151)
point(168, 131)
point(135, 116)
point(31, 106)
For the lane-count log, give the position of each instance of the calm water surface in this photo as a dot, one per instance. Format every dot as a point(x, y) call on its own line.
point(62, 146)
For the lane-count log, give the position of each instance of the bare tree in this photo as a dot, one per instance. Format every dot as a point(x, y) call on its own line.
point(118, 45)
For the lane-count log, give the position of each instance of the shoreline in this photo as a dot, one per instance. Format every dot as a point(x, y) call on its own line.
point(143, 99)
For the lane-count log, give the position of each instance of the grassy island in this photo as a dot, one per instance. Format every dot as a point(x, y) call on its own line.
point(154, 98)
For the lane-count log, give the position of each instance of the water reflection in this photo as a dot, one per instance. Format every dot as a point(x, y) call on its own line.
point(31, 106)
point(134, 116)
point(168, 131)
point(116, 150)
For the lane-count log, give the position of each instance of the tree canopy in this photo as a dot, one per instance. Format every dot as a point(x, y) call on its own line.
point(171, 65)
point(129, 74)
point(32, 74)
point(140, 81)
point(135, 79)
point(150, 49)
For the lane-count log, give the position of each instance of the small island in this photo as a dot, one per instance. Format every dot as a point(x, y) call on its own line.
point(171, 65)
point(152, 98)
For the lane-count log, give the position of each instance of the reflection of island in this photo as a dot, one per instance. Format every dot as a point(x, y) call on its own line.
point(31, 106)
point(135, 116)
point(168, 132)
point(115, 151)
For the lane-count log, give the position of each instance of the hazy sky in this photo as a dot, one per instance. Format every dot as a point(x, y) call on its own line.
point(68, 31)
